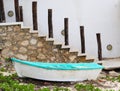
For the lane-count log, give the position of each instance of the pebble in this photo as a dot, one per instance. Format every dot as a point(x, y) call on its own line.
point(113, 74)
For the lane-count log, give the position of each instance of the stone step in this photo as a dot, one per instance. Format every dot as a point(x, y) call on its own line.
point(34, 32)
point(64, 47)
point(37, 47)
point(90, 60)
point(50, 40)
point(61, 46)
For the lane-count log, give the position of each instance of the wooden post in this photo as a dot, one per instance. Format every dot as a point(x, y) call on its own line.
point(34, 11)
point(50, 25)
point(66, 31)
point(16, 2)
point(2, 12)
point(99, 46)
point(82, 39)
point(21, 13)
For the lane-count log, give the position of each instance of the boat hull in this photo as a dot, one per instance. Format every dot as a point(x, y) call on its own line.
point(24, 70)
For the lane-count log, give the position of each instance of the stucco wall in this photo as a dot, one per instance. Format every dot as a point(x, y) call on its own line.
point(9, 6)
point(98, 16)
point(101, 16)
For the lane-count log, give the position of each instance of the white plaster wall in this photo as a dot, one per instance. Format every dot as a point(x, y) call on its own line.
point(101, 16)
point(27, 13)
point(9, 6)
point(98, 16)
point(61, 9)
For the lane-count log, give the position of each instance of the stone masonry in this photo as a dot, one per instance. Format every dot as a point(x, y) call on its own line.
point(22, 44)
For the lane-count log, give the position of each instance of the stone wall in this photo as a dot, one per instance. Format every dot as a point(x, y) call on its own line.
point(20, 43)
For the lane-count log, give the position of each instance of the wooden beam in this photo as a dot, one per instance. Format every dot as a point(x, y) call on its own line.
point(16, 2)
point(82, 39)
point(50, 25)
point(2, 12)
point(66, 31)
point(34, 13)
point(21, 13)
point(99, 46)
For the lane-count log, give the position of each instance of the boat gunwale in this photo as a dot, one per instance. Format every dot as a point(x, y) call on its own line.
point(60, 66)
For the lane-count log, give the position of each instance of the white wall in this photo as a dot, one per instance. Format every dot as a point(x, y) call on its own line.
point(61, 10)
point(101, 16)
point(98, 16)
point(9, 6)
point(27, 13)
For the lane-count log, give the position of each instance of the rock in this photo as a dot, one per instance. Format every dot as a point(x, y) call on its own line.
point(101, 80)
point(33, 59)
point(17, 28)
point(27, 36)
point(31, 52)
point(109, 84)
point(10, 28)
point(102, 75)
point(53, 59)
point(25, 43)
point(33, 41)
point(7, 53)
point(113, 73)
point(22, 50)
point(20, 56)
point(47, 83)
point(39, 50)
point(35, 34)
point(39, 44)
point(55, 50)
point(21, 33)
point(5, 73)
point(3, 34)
point(32, 47)
point(1, 29)
point(41, 56)
point(15, 48)
point(72, 58)
point(8, 43)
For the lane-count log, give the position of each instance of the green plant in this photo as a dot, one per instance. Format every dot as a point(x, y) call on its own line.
point(60, 89)
point(109, 78)
point(3, 69)
point(7, 59)
point(86, 87)
point(9, 83)
point(44, 89)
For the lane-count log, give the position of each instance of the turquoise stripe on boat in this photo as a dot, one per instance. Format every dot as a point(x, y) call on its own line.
point(60, 66)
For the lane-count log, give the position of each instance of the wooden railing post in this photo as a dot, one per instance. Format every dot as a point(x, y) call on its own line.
point(50, 25)
point(82, 39)
point(99, 46)
point(34, 13)
point(21, 13)
point(16, 2)
point(66, 31)
point(2, 12)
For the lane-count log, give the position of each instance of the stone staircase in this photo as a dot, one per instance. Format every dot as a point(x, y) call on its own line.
point(19, 42)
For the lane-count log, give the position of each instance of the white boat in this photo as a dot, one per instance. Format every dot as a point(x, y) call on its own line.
point(57, 71)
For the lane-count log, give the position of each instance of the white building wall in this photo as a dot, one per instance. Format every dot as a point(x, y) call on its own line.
point(9, 6)
point(97, 16)
point(61, 9)
point(27, 13)
point(101, 16)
